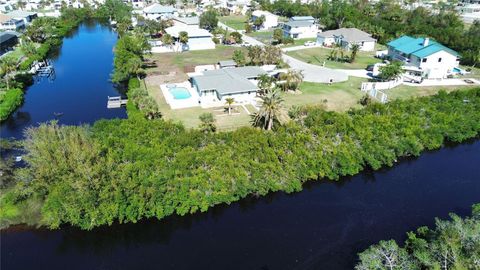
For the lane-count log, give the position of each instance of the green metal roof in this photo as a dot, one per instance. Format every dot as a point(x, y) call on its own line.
point(410, 45)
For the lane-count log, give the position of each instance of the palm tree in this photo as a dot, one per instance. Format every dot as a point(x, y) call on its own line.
point(207, 123)
point(167, 40)
point(355, 48)
point(8, 65)
point(28, 48)
point(272, 111)
point(229, 102)
point(21, 4)
point(183, 37)
point(264, 83)
point(292, 80)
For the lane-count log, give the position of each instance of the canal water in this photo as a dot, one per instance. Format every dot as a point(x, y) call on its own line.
point(322, 227)
point(80, 88)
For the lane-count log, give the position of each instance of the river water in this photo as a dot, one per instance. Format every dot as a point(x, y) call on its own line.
point(81, 86)
point(322, 227)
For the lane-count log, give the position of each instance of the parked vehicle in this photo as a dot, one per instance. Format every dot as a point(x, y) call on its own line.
point(370, 67)
point(309, 43)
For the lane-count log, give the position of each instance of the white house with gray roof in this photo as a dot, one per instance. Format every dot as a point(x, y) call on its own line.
point(198, 38)
point(347, 37)
point(159, 12)
point(215, 86)
point(300, 27)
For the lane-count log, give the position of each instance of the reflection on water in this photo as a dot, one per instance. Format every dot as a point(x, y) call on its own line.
point(82, 83)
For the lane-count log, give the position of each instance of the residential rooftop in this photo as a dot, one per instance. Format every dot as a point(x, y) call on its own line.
point(294, 24)
point(192, 31)
point(415, 46)
point(157, 8)
point(20, 14)
point(228, 80)
point(188, 20)
point(348, 34)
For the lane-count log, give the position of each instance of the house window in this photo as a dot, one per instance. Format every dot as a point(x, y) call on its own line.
point(424, 60)
point(439, 59)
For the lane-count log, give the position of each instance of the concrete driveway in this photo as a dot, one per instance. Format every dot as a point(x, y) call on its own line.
point(313, 73)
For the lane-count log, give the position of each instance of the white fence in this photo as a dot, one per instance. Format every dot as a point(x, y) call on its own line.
point(377, 94)
point(381, 85)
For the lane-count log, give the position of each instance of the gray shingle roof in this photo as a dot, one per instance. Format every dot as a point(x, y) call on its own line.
point(227, 63)
point(294, 24)
point(157, 8)
point(188, 20)
point(229, 80)
point(348, 34)
point(20, 14)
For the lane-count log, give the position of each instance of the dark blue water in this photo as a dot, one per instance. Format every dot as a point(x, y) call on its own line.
point(81, 86)
point(322, 227)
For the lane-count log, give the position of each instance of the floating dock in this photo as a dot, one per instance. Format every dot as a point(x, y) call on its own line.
point(116, 102)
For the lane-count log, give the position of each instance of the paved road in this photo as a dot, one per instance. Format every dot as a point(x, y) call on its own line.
point(301, 47)
point(245, 38)
point(313, 73)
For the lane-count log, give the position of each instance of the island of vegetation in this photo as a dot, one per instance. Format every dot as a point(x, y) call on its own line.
point(452, 244)
point(126, 170)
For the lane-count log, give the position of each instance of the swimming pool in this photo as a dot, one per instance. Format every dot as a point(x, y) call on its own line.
point(179, 92)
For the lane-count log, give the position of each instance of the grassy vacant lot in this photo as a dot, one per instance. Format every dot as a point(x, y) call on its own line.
point(172, 67)
point(234, 21)
point(317, 56)
point(336, 97)
point(264, 36)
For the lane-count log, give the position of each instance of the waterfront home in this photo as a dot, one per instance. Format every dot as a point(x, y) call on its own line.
point(8, 40)
point(4, 8)
point(214, 86)
point(469, 13)
point(271, 20)
point(198, 39)
point(26, 16)
point(300, 27)
point(159, 12)
point(186, 21)
point(424, 57)
point(346, 37)
point(9, 23)
point(238, 6)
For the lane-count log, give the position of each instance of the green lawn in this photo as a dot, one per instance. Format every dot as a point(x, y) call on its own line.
point(17, 53)
point(189, 116)
point(405, 92)
point(337, 97)
point(262, 36)
point(299, 42)
point(318, 56)
point(234, 21)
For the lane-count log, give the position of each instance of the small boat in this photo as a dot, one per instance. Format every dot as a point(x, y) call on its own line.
point(18, 158)
point(58, 114)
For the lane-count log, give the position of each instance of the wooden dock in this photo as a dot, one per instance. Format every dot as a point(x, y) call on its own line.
point(116, 102)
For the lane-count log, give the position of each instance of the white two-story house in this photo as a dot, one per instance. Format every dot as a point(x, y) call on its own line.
point(424, 57)
point(300, 27)
point(271, 20)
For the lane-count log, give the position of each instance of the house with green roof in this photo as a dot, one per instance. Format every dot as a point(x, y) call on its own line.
point(424, 57)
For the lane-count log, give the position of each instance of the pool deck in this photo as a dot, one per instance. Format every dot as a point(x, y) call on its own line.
point(192, 101)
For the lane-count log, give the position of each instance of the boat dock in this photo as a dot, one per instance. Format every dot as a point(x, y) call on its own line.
point(116, 102)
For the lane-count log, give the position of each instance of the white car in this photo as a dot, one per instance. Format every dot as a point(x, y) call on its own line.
point(309, 43)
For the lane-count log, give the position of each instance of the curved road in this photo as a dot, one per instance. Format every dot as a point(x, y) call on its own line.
point(314, 73)
point(311, 73)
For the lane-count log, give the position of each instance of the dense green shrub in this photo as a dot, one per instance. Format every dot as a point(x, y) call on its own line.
point(125, 170)
point(452, 244)
point(9, 102)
